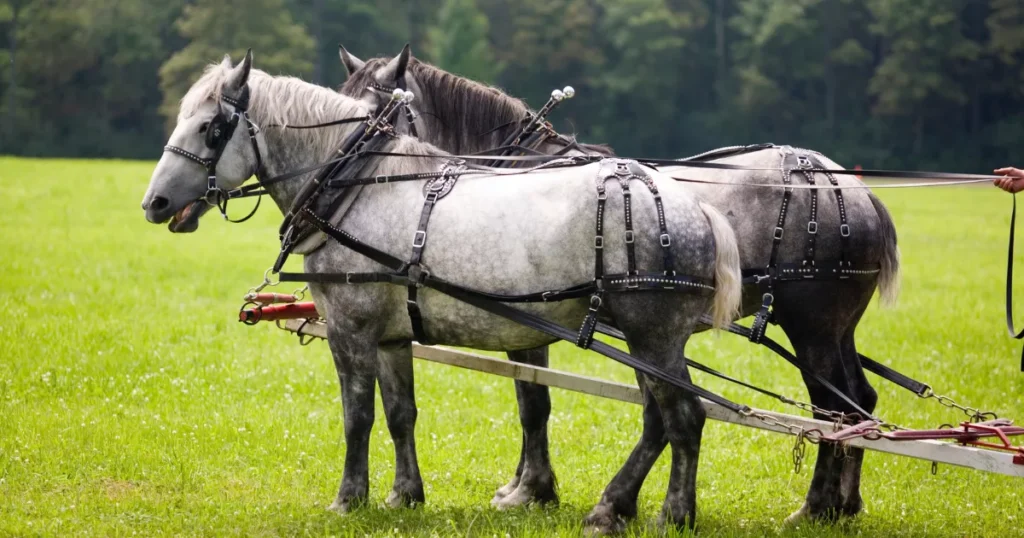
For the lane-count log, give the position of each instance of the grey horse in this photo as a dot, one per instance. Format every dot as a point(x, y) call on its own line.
point(818, 316)
point(506, 235)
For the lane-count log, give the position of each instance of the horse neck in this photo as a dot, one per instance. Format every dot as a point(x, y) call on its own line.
point(288, 150)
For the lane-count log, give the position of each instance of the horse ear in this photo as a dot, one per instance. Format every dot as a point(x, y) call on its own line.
point(351, 63)
point(240, 74)
point(396, 67)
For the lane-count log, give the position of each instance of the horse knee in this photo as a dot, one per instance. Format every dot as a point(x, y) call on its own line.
point(868, 396)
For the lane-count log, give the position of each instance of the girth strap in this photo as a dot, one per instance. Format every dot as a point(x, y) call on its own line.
point(436, 189)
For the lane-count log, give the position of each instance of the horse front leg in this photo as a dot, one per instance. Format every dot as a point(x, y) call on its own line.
point(355, 359)
point(395, 377)
point(534, 481)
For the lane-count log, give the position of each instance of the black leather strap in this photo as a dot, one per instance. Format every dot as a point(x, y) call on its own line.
point(1009, 282)
point(630, 238)
point(740, 330)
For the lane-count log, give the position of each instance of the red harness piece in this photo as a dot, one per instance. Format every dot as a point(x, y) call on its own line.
point(968, 433)
point(272, 312)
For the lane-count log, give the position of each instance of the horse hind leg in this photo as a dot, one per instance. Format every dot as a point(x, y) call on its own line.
point(619, 501)
point(658, 336)
point(534, 481)
point(851, 502)
point(395, 377)
point(816, 323)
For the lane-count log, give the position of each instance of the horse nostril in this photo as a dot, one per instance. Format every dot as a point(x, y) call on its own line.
point(159, 203)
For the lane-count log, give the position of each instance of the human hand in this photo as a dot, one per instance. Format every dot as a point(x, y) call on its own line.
point(1012, 180)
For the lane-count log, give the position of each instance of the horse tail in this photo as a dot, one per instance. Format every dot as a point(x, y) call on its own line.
point(889, 276)
point(728, 282)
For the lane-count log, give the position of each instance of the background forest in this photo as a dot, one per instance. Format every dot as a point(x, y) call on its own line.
point(932, 84)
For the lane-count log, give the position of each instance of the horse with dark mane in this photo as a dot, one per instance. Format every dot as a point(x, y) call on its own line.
point(846, 247)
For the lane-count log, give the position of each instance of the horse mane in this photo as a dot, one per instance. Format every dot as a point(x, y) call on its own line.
point(280, 101)
point(467, 109)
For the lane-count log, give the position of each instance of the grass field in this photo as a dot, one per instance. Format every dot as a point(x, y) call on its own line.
point(133, 403)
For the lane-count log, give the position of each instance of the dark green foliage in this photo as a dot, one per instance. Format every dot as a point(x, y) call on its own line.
point(934, 84)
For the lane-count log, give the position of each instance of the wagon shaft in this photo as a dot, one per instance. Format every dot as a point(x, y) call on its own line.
point(972, 457)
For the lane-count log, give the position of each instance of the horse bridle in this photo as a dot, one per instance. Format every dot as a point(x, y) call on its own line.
point(218, 133)
point(410, 115)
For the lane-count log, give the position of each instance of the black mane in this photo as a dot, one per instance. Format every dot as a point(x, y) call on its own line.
point(468, 110)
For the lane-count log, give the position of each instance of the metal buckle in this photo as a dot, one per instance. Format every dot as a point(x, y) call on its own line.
point(598, 241)
point(629, 236)
point(767, 300)
point(778, 233)
point(381, 179)
point(844, 230)
point(602, 195)
point(595, 302)
point(546, 295)
point(812, 227)
point(803, 161)
point(666, 240)
point(348, 278)
point(419, 239)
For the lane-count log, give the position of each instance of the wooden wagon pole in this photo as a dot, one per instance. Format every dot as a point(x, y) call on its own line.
point(937, 451)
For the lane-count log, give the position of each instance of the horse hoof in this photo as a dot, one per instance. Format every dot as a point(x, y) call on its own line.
point(798, 517)
point(505, 491)
point(603, 523)
point(401, 500)
point(339, 507)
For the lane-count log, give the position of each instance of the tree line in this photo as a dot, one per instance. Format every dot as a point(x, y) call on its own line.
point(933, 84)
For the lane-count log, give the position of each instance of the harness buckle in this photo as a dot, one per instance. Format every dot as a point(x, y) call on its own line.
point(812, 227)
point(598, 241)
point(380, 179)
point(777, 235)
point(546, 296)
point(419, 239)
point(666, 240)
point(767, 300)
point(803, 161)
point(348, 278)
point(844, 230)
point(629, 236)
point(595, 302)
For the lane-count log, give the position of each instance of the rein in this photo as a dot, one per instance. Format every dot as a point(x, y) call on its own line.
point(1017, 335)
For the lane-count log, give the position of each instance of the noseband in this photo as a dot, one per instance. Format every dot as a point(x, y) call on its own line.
point(218, 134)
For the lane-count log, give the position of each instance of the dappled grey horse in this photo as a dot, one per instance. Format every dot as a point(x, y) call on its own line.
point(506, 235)
point(818, 315)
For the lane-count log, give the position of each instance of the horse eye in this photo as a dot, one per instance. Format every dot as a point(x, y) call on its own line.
point(204, 127)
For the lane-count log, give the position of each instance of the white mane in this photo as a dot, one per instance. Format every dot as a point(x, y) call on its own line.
point(280, 101)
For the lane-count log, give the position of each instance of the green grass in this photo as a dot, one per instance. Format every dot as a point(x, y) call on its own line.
point(132, 402)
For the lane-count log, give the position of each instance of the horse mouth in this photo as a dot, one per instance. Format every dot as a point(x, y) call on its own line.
point(187, 220)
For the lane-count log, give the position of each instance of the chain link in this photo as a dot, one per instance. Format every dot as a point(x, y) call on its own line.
point(975, 414)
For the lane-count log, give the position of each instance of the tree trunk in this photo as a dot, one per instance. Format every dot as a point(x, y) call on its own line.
point(12, 85)
point(318, 36)
point(829, 71)
point(719, 49)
